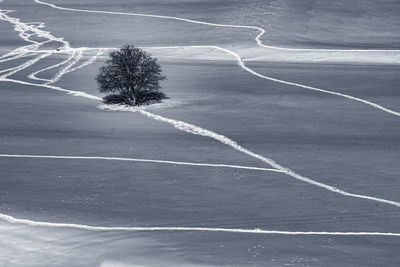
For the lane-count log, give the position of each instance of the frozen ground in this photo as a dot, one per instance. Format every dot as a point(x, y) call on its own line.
point(314, 156)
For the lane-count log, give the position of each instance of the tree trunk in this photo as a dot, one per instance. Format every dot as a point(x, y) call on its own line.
point(131, 96)
point(132, 100)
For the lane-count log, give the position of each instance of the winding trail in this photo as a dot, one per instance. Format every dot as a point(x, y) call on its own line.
point(237, 56)
point(28, 31)
point(255, 28)
point(193, 129)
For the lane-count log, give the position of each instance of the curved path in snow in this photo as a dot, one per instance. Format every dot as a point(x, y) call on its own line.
point(237, 56)
point(257, 38)
point(28, 31)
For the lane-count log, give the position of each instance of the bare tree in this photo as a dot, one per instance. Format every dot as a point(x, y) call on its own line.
point(132, 76)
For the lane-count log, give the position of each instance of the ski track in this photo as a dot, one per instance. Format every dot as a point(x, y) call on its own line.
point(28, 30)
point(139, 160)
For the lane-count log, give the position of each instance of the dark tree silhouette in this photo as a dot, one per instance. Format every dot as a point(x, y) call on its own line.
point(132, 76)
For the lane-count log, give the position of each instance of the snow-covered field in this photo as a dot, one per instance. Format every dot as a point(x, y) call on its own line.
point(279, 145)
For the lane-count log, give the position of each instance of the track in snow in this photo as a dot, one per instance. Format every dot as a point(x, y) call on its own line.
point(138, 160)
point(188, 229)
point(26, 31)
point(236, 56)
point(257, 38)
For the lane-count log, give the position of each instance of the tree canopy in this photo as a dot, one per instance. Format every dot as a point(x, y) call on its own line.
point(132, 76)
